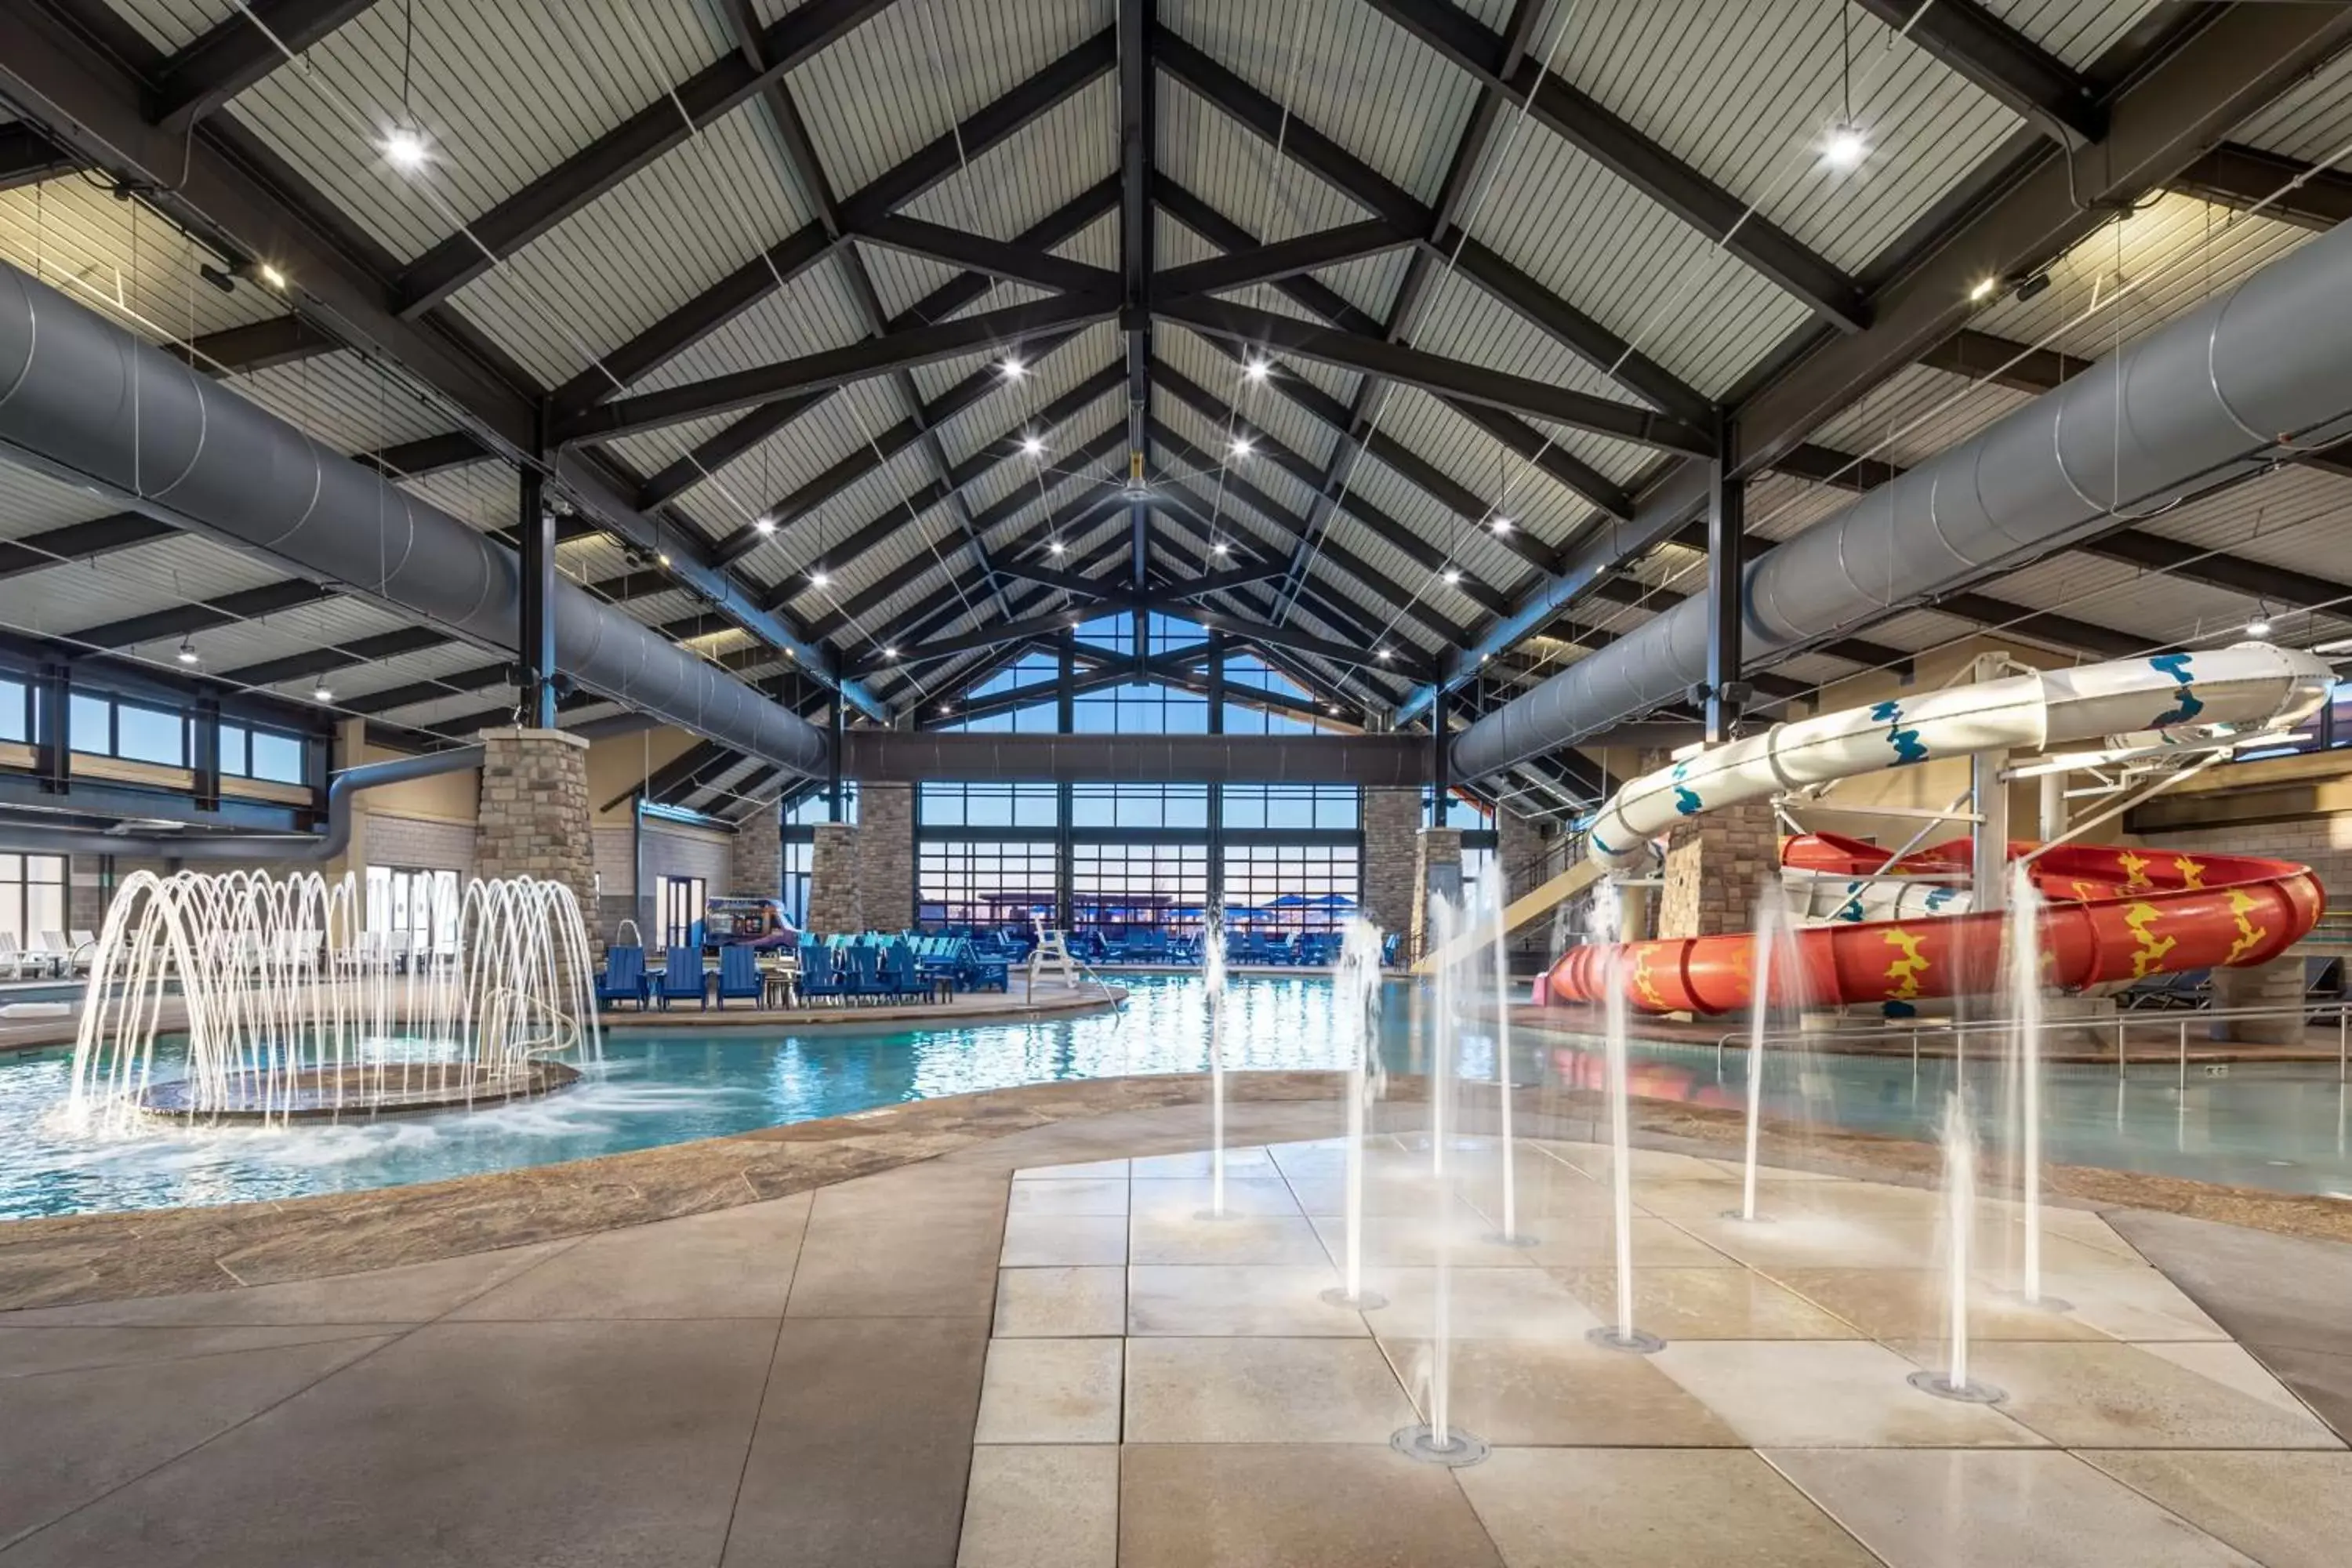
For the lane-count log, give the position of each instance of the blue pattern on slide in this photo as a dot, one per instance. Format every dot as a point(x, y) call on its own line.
point(1907, 749)
point(2186, 706)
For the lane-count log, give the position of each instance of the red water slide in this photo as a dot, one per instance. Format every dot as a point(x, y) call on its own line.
point(2112, 914)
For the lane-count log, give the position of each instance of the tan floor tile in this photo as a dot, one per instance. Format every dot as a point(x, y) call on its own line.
point(1084, 1170)
point(1648, 1164)
point(1589, 1241)
point(2130, 1303)
point(1812, 1240)
point(1229, 1300)
point(1189, 1237)
point(1910, 1304)
point(1601, 1508)
point(1262, 1390)
point(1042, 1506)
point(2286, 1509)
point(1210, 1505)
point(2094, 1395)
point(1050, 1391)
point(1865, 1201)
point(1076, 1195)
point(1828, 1394)
point(1708, 1304)
point(1050, 1303)
point(1246, 1160)
point(1043, 1240)
point(1501, 1303)
point(1182, 1197)
point(1564, 1391)
point(1413, 1242)
point(1991, 1509)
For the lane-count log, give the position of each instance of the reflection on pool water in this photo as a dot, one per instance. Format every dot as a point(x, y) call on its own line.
point(2274, 1127)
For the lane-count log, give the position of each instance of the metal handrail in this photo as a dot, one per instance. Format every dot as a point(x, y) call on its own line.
point(1960, 1028)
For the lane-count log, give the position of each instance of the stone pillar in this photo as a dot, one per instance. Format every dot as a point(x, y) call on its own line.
point(533, 816)
point(2277, 985)
point(1436, 874)
point(885, 855)
point(1717, 864)
point(833, 905)
point(1519, 843)
point(756, 857)
point(1391, 819)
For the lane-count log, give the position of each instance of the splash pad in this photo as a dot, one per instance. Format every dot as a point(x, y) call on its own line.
point(294, 1012)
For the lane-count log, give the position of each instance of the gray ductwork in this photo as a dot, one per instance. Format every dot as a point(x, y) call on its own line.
point(2205, 401)
point(26, 836)
point(84, 399)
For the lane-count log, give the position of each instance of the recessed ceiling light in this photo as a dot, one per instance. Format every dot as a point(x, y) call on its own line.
point(187, 654)
point(817, 579)
point(407, 148)
point(1845, 148)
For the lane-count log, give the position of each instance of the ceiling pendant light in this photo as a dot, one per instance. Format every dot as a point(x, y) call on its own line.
point(187, 654)
point(1846, 146)
point(322, 692)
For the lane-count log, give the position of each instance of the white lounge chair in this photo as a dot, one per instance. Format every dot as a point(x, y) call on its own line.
point(12, 957)
point(54, 953)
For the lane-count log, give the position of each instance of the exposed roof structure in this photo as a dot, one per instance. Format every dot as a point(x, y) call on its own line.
point(906, 331)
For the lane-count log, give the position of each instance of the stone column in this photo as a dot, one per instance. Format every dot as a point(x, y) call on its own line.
point(833, 906)
point(2277, 984)
point(1518, 853)
point(1391, 818)
point(1436, 874)
point(885, 855)
point(1717, 864)
point(756, 859)
point(533, 816)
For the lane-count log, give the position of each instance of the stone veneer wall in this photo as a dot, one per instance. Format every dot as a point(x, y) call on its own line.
point(1391, 821)
point(533, 817)
point(1434, 849)
point(833, 905)
point(756, 859)
point(1520, 846)
point(1715, 867)
point(885, 856)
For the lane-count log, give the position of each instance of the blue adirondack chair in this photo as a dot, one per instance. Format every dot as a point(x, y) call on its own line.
point(820, 978)
point(897, 973)
point(860, 980)
point(738, 975)
point(624, 979)
point(682, 976)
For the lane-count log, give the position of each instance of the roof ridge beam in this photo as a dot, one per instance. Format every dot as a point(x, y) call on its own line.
point(978, 253)
point(1309, 252)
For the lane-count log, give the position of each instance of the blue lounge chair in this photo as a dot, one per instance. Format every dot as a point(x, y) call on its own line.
point(1147, 944)
point(624, 979)
point(1389, 946)
point(899, 974)
point(861, 978)
point(682, 976)
point(820, 979)
point(738, 975)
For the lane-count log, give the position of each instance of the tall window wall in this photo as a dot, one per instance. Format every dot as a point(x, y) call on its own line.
point(32, 897)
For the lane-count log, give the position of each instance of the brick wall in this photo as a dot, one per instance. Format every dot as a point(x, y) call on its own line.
point(533, 816)
point(1391, 819)
point(885, 856)
point(2322, 843)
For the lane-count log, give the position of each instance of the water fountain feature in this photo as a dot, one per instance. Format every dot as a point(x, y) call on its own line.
point(1212, 979)
point(2023, 986)
point(1775, 960)
point(1499, 935)
point(1615, 1026)
point(1960, 1225)
point(1356, 1003)
point(292, 1014)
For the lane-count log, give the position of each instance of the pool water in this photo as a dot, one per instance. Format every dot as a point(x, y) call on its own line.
point(2282, 1129)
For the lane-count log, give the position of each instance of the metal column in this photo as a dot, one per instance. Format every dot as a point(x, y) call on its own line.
point(837, 722)
point(1439, 781)
point(1726, 528)
point(537, 526)
point(1216, 895)
point(1065, 722)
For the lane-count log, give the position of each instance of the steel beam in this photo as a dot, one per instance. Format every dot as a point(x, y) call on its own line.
point(666, 123)
point(257, 345)
point(978, 253)
point(1727, 607)
point(27, 157)
point(2247, 178)
point(2011, 67)
point(1633, 157)
point(249, 604)
point(77, 542)
point(1284, 258)
point(2180, 107)
point(245, 45)
point(991, 329)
